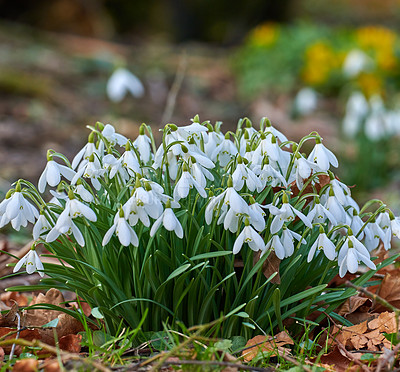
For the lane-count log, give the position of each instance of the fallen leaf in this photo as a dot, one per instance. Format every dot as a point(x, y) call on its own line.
point(9, 297)
point(26, 334)
point(70, 343)
point(1, 354)
point(389, 290)
point(268, 344)
point(270, 266)
point(52, 365)
point(10, 319)
point(352, 337)
point(26, 365)
point(334, 361)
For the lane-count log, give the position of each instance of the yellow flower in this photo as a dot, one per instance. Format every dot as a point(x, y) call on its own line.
point(264, 35)
point(370, 84)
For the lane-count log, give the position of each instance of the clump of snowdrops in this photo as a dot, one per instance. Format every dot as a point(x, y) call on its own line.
point(240, 225)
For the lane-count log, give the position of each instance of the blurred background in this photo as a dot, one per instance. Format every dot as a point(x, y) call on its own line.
point(308, 65)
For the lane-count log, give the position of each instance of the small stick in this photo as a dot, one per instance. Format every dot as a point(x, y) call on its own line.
point(386, 357)
point(216, 363)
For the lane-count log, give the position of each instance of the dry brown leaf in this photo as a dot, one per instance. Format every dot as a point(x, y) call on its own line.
point(270, 266)
point(26, 365)
point(334, 361)
point(10, 319)
point(389, 290)
point(352, 337)
point(52, 365)
point(70, 343)
point(351, 305)
point(26, 334)
point(268, 344)
point(9, 297)
point(38, 317)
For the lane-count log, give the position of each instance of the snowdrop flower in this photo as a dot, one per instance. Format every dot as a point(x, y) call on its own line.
point(42, 227)
point(32, 262)
point(306, 101)
point(286, 213)
point(169, 221)
point(17, 210)
point(82, 157)
point(256, 215)
point(318, 214)
point(249, 236)
point(112, 137)
point(356, 61)
point(356, 224)
point(199, 173)
point(357, 109)
point(322, 243)
point(214, 140)
point(268, 128)
point(395, 225)
point(129, 161)
point(52, 173)
point(276, 246)
point(83, 192)
point(335, 208)
point(269, 175)
point(244, 174)
point(90, 170)
point(373, 235)
point(224, 152)
point(121, 82)
point(350, 254)
point(287, 242)
point(185, 184)
point(383, 222)
point(322, 156)
point(126, 235)
point(303, 169)
point(267, 147)
point(143, 145)
point(114, 166)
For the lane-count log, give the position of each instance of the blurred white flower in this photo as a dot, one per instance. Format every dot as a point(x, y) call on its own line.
point(121, 82)
point(355, 62)
point(306, 101)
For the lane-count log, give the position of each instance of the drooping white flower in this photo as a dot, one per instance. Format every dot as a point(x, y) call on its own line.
point(373, 235)
point(185, 184)
point(270, 176)
point(243, 174)
point(322, 156)
point(91, 170)
point(287, 213)
point(268, 128)
point(395, 225)
point(85, 194)
point(383, 221)
point(322, 243)
point(82, 157)
point(249, 236)
point(169, 221)
point(214, 140)
point(114, 166)
point(224, 152)
point(256, 216)
point(287, 240)
point(302, 169)
point(52, 174)
point(276, 246)
point(355, 62)
point(200, 174)
point(335, 207)
point(42, 227)
point(32, 262)
point(143, 145)
point(125, 233)
point(121, 82)
point(306, 101)
point(351, 252)
point(318, 214)
point(356, 110)
point(268, 146)
point(112, 136)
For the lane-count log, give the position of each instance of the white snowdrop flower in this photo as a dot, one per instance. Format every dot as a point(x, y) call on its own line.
point(85, 194)
point(230, 219)
point(287, 240)
point(306, 101)
point(268, 128)
point(169, 221)
point(17, 210)
point(270, 176)
point(199, 173)
point(355, 62)
point(350, 254)
point(256, 215)
point(42, 227)
point(267, 147)
point(52, 174)
point(356, 224)
point(318, 214)
point(224, 152)
point(112, 137)
point(383, 221)
point(185, 184)
point(375, 127)
point(129, 161)
point(57, 196)
point(249, 236)
point(126, 235)
point(357, 109)
point(322, 243)
point(335, 207)
point(79, 209)
point(32, 262)
point(82, 157)
point(303, 169)
point(275, 245)
point(287, 213)
point(214, 140)
point(114, 166)
point(322, 156)
point(170, 161)
point(373, 235)
point(121, 82)
point(244, 174)
point(395, 226)
point(90, 170)
point(351, 124)
point(143, 145)
point(136, 213)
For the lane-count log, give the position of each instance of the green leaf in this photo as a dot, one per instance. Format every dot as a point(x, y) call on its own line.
point(223, 345)
point(249, 325)
point(205, 256)
point(178, 271)
point(392, 337)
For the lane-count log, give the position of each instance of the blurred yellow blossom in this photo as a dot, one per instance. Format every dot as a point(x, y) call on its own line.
point(264, 35)
point(320, 61)
point(370, 84)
